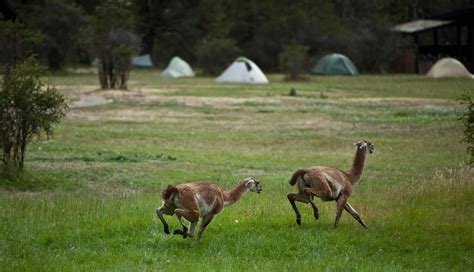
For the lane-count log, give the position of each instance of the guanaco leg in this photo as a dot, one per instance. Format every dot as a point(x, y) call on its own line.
point(160, 211)
point(205, 221)
point(341, 202)
point(354, 214)
point(191, 216)
point(305, 199)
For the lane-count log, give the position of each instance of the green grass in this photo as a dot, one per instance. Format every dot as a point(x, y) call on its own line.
point(87, 198)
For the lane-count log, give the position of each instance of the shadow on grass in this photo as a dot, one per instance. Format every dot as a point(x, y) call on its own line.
point(117, 157)
point(26, 180)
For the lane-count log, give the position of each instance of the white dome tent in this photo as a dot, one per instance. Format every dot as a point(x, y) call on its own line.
point(177, 68)
point(448, 67)
point(243, 70)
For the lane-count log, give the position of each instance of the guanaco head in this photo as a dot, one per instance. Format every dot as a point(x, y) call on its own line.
point(252, 184)
point(368, 146)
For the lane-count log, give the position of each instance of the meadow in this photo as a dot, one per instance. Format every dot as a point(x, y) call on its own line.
point(87, 198)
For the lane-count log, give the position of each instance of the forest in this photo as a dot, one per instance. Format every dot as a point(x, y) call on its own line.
point(210, 33)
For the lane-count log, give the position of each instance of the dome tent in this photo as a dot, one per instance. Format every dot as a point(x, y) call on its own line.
point(243, 70)
point(448, 67)
point(142, 61)
point(335, 64)
point(177, 68)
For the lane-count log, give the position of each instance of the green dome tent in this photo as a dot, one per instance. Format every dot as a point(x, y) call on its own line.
point(335, 64)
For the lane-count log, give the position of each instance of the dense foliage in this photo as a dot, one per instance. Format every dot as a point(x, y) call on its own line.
point(17, 42)
point(293, 61)
point(259, 28)
point(214, 55)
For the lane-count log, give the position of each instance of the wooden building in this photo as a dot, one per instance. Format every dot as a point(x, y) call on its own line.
point(445, 35)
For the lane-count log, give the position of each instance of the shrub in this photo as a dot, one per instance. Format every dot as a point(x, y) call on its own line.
point(215, 54)
point(28, 108)
point(293, 61)
point(468, 121)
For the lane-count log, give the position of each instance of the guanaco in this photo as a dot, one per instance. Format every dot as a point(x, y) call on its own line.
point(196, 200)
point(329, 184)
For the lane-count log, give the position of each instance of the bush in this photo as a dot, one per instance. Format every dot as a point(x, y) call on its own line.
point(216, 54)
point(468, 121)
point(293, 61)
point(28, 108)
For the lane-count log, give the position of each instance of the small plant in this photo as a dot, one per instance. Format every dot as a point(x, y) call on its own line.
point(28, 108)
point(292, 92)
point(322, 95)
point(468, 120)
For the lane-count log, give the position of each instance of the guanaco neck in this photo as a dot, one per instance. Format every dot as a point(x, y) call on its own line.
point(232, 196)
point(357, 166)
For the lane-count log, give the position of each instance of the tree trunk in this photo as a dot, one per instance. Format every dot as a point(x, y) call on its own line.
point(102, 69)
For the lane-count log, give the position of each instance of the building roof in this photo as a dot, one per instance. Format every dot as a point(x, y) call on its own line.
point(420, 25)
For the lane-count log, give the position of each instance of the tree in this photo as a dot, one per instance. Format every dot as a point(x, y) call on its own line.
point(214, 55)
point(114, 43)
point(468, 122)
point(28, 108)
point(60, 22)
point(17, 42)
point(293, 61)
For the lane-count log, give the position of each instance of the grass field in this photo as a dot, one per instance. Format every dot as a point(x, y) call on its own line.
point(88, 196)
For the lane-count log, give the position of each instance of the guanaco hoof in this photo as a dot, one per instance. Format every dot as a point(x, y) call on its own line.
point(316, 215)
point(180, 232)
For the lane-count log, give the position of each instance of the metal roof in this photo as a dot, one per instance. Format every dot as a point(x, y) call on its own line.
point(420, 25)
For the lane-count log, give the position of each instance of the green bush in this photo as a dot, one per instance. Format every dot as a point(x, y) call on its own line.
point(28, 108)
point(216, 54)
point(468, 121)
point(293, 61)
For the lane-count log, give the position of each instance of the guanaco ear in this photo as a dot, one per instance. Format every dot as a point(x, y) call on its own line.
point(249, 182)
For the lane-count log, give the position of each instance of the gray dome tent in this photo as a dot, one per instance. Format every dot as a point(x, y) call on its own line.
point(335, 64)
point(448, 67)
point(142, 61)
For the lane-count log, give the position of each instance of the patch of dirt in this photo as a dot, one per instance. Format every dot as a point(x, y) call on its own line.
point(88, 70)
point(247, 120)
point(90, 101)
point(130, 114)
point(147, 95)
point(403, 101)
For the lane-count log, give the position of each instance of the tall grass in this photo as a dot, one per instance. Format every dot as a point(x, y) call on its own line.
point(87, 199)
